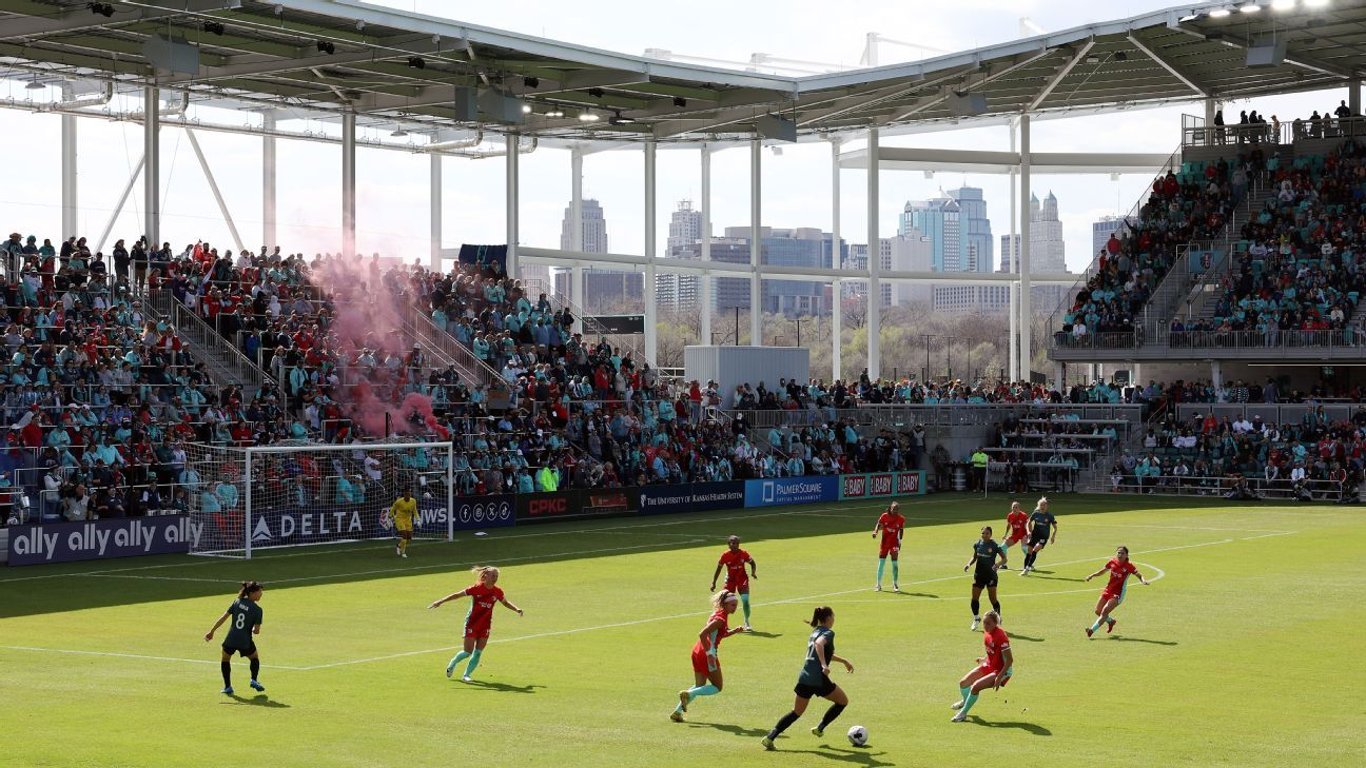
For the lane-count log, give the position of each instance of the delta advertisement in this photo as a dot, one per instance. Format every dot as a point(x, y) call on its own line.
point(791, 490)
point(882, 485)
point(99, 539)
point(695, 497)
point(568, 505)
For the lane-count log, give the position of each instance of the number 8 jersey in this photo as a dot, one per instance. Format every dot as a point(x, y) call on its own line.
point(243, 616)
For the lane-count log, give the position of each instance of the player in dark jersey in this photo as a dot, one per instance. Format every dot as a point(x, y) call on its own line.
point(1120, 569)
point(1042, 523)
point(984, 563)
point(244, 617)
point(814, 679)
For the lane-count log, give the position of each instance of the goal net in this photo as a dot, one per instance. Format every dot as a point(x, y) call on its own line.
point(245, 499)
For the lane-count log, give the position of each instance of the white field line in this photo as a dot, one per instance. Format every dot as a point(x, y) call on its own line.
point(640, 527)
point(1160, 574)
point(1072, 522)
point(137, 656)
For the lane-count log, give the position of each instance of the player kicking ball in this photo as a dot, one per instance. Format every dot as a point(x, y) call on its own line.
point(1120, 569)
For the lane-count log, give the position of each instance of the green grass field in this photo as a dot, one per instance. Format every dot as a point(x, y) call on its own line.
point(1243, 652)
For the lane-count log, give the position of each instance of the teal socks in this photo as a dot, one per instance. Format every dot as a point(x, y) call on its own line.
point(457, 658)
point(702, 690)
point(963, 693)
point(881, 566)
point(474, 662)
point(896, 571)
point(744, 603)
point(968, 701)
point(1099, 620)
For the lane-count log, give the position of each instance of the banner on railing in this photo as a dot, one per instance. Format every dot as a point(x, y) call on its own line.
point(484, 254)
point(566, 505)
point(615, 324)
point(697, 497)
point(101, 539)
point(791, 490)
point(882, 485)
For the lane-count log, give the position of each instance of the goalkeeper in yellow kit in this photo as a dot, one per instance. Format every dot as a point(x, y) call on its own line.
point(402, 513)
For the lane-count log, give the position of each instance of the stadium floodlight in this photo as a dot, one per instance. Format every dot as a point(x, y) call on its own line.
point(1249, 8)
point(417, 62)
point(1282, 5)
point(587, 116)
point(326, 46)
point(1219, 13)
point(526, 109)
point(34, 85)
point(399, 132)
point(101, 9)
point(1316, 3)
point(554, 112)
point(617, 119)
point(679, 101)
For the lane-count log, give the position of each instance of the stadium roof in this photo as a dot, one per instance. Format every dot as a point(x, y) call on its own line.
point(389, 66)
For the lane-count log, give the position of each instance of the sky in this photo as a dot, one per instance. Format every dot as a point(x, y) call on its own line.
point(392, 195)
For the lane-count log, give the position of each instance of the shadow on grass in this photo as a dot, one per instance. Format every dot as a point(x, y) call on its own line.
point(916, 594)
point(259, 700)
point(737, 730)
point(1034, 575)
point(500, 687)
point(1124, 639)
point(1034, 728)
point(757, 633)
point(853, 755)
point(129, 581)
point(1026, 638)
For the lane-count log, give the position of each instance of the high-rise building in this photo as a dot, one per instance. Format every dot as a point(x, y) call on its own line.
point(604, 290)
point(800, 247)
point(940, 220)
point(909, 252)
point(974, 230)
point(1047, 252)
point(674, 291)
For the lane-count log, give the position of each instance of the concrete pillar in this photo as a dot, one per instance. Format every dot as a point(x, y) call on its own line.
point(704, 283)
point(756, 242)
point(349, 183)
point(512, 207)
point(1060, 376)
point(651, 244)
point(70, 177)
point(1354, 97)
point(1010, 252)
point(1216, 374)
point(151, 171)
point(269, 206)
point(576, 227)
point(874, 262)
point(836, 288)
point(1026, 312)
point(434, 217)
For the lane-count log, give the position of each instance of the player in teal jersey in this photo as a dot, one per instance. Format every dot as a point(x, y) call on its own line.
point(244, 617)
point(814, 679)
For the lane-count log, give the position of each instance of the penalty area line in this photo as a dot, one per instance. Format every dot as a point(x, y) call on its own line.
point(137, 656)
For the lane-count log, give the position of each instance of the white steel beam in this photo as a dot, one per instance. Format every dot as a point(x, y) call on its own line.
point(1026, 312)
point(118, 208)
point(756, 243)
point(1066, 70)
point(966, 87)
point(1199, 90)
point(704, 283)
point(651, 244)
point(269, 207)
point(70, 177)
point(836, 289)
point(213, 187)
point(874, 264)
point(512, 207)
point(39, 27)
point(151, 177)
point(434, 216)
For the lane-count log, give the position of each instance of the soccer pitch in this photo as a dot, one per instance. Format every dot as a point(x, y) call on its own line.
point(1243, 652)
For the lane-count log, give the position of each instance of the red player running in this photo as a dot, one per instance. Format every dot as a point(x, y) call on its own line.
point(892, 525)
point(1017, 528)
point(992, 671)
point(706, 666)
point(737, 581)
point(483, 595)
point(1112, 597)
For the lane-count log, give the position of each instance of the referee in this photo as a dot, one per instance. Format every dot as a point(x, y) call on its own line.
point(402, 513)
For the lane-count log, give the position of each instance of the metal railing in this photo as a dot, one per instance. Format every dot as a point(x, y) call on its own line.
point(228, 358)
point(1196, 134)
point(1347, 338)
point(905, 416)
point(1239, 488)
point(1105, 340)
point(1271, 413)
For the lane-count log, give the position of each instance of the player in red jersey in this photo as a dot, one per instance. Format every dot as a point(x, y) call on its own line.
point(992, 671)
point(892, 525)
point(483, 595)
point(737, 581)
point(706, 666)
point(1017, 528)
point(1120, 568)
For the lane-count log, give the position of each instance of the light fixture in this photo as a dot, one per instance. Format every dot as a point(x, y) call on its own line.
point(531, 82)
point(417, 62)
point(588, 117)
point(1282, 5)
point(1316, 3)
point(1249, 8)
point(596, 93)
point(34, 85)
point(213, 28)
point(1219, 13)
point(526, 109)
point(399, 132)
point(679, 101)
point(1189, 17)
point(554, 112)
point(326, 46)
point(777, 151)
point(101, 9)
point(1121, 56)
point(617, 119)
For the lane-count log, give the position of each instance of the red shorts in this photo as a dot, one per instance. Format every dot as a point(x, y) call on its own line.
point(737, 586)
point(477, 631)
point(987, 669)
point(703, 664)
point(1015, 537)
point(889, 548)
point(1107, 596)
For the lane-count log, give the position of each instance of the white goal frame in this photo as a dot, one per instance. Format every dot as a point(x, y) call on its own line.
point(250, 457)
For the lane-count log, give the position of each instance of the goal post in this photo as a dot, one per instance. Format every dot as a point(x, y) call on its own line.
point(245, 499)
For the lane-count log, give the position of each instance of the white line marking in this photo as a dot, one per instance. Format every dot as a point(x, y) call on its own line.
point(1175, 527)
point(155, 578)
point(128, 656)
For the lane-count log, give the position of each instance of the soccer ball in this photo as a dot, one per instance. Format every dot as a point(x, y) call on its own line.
point(858, 736)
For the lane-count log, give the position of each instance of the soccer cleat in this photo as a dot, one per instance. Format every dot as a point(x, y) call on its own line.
point(877, 587)
point(676, 716)
point(255, 686)
point(768, 743)
point(896, 587)
point(958, 718)
point(1110, 627)
point(1090, 631)
point(227, 691)
point(975, 622)
point(403, 555)
point(956, 705)
point(450, 670)
point(467, 679)
point(817, 732)
point(398, 550)
point(748, 628)
point(683, 701)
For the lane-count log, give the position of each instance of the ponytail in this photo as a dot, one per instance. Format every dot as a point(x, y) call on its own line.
point(819, 615)
point(249, 587)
